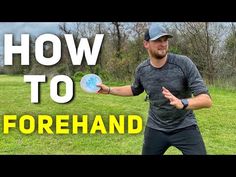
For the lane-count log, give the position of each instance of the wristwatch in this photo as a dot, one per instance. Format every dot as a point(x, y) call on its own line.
point(185, 103)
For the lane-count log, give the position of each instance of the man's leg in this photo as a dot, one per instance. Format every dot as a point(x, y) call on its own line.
point(189, 141)
point(155, 142)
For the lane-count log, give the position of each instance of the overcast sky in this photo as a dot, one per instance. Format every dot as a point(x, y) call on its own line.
point(32, 28)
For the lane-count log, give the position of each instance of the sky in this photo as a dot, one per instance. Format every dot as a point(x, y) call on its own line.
point(18, 28)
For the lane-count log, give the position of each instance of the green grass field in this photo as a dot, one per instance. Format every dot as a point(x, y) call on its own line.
point(217, 125)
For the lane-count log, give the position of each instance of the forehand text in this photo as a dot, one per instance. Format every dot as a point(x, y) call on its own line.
point(74, 124)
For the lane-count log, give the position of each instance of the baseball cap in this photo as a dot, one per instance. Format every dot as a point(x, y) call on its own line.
point(156, 31)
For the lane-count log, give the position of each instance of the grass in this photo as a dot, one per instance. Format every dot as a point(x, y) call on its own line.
point(217, 125)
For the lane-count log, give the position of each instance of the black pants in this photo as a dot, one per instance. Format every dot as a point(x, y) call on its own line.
point(188, 140)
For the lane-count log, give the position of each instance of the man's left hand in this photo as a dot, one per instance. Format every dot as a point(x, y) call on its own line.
point(173, 100)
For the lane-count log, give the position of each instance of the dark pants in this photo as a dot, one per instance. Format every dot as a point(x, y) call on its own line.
point(188, 140)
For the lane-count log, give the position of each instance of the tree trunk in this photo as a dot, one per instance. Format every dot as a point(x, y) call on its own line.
point(210, 72)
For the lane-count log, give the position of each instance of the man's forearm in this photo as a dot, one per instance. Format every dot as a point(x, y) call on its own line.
point(121, 91)
point(199, 101)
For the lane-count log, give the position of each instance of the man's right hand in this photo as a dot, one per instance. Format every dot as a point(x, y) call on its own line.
point(104, 89)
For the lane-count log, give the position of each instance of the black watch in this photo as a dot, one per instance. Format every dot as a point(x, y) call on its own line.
point(185, 103)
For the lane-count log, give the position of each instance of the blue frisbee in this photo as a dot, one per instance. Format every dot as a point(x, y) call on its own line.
point(89, 81)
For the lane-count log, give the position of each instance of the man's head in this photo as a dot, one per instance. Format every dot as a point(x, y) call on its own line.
point(156, 41)
point(155, 32)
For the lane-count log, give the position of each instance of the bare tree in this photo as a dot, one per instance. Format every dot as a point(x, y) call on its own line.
point(200, 41)
point(139, 29)
point(210, 66)
point(117, 26)
point(233, 28)
point(65, 54)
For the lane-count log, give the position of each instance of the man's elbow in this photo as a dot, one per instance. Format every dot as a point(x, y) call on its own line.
point(208, 102)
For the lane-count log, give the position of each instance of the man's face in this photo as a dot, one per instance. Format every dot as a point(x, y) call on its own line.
point(158, 49)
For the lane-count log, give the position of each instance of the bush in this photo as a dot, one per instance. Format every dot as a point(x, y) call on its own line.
point(78, 75)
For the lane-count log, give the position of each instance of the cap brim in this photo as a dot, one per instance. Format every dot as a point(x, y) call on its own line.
point(157, 37)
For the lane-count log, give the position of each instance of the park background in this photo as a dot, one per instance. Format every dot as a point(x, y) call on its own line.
point(211, 46)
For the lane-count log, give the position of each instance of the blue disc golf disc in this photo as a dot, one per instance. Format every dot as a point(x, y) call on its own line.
point(89, 83)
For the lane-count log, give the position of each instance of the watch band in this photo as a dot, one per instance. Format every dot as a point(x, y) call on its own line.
point(185, 103)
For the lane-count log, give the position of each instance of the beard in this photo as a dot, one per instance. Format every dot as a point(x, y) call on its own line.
point(158, 54)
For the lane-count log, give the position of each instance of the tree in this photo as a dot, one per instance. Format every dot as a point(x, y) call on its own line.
point(200, 41)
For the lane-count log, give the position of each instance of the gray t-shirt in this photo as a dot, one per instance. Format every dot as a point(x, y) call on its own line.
point(182, 78)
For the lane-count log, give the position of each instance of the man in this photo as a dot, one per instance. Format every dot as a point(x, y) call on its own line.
point(174, 88)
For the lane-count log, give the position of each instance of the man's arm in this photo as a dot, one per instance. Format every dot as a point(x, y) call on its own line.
point(197, 102)
point(120, 91)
